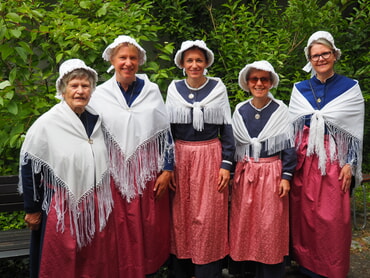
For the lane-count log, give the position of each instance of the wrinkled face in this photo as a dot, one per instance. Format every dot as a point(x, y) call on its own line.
point(259, 83)
point(126, 63)
point(194, 62)
point(323, 66)
point(77, 94)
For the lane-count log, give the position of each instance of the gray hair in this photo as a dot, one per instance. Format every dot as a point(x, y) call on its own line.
point(77, 74)
point(324, 42)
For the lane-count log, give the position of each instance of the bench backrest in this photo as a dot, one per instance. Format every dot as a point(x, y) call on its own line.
point(10, 199)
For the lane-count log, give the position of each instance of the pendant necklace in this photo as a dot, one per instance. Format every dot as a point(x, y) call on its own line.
point(191, 95)
point(192, 90)
point(318, 100)
point(257, 116)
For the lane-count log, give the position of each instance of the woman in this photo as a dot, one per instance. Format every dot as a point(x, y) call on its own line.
point(328, 114)
point(259, 218)
point(66, 185)
point(137, 132)
point(200, 118)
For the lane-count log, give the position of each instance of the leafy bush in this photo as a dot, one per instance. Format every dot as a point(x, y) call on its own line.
point(12, 220)
point(37, 36)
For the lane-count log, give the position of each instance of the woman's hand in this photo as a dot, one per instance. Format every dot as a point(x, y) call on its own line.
point(172, 181)
point(223, 179)
point(284, 188)
point(162, 183)
point(33, 220)
point(346, 176)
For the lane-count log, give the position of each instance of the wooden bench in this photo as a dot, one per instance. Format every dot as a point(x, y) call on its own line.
point(13, 243)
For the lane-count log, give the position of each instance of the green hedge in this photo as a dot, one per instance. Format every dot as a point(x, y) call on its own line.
point(35, 37)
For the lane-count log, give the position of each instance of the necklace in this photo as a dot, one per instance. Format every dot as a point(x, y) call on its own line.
point(318, 100)
point(193, 90)
point(191, 95)
point(257, 116)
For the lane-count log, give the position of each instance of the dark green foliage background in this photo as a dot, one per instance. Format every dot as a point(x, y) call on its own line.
point(36, 36)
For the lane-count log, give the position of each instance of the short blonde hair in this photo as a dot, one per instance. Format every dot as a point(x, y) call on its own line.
point(130, 46)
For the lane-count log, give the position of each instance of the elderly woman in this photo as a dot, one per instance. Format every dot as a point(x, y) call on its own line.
point(139, 141)
point(328, 114)
point(259, 218)
point(201, 126)
point(66, 185)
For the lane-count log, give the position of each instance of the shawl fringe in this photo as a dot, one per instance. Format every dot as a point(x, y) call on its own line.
point(343, 146)
point(132, 173)
point(209, 115)
point(213, 109)
point(81, 212)
point(276, 134)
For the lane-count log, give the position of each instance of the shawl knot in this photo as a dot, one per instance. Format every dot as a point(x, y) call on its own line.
point(198, 121)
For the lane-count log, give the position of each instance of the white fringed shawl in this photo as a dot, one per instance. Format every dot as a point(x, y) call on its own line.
point(343, 117)
point(136, 136)
point(277, 133)
point(73, 168)
point(216, 108)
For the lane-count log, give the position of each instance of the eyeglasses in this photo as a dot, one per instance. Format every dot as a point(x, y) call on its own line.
point(254, 80)
point(324, 55)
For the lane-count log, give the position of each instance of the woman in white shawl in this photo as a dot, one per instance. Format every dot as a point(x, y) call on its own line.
point(200, 118)
point(139, 143)
point(259, 218)
point(66, 186)
point(328, 116)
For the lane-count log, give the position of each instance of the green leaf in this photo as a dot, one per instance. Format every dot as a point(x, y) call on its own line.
point(13, 140)
point(12, 75)
point(103, 10)
point(26, 47)
point(4, 84)
point(85, 4)
point(14, 17)
point(6, 50)
point(59, 57)
point(22, 53)
point(13, 107)
point(15, 33)
point(9, 95)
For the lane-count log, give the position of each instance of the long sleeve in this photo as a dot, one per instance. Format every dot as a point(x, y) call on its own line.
point(32, 199)
point(228, 146)
point(289, 161)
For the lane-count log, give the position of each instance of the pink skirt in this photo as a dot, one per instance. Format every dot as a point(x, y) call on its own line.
point(135, 241)
point(199, 219)
point(320, 217)
point(259, 224)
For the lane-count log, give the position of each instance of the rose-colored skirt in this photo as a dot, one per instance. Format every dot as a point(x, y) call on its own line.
point(259, 224)
point(199, 220)
point(135, 241)
point(320, 217)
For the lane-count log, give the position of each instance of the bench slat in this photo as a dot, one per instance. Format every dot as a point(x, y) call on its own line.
point(14, 243)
